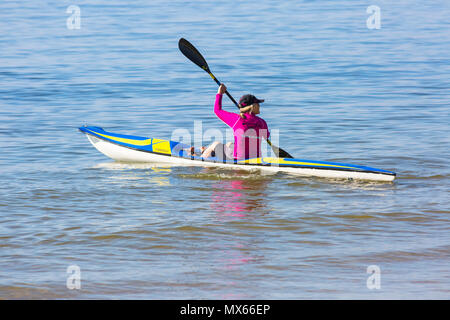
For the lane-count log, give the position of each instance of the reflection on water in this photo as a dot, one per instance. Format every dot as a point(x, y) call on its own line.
point(233, 192)
point(239, 197)
point(234, 260)
point(115, 165)
point(130, 176)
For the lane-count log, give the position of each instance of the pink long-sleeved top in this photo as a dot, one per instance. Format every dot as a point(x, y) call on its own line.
point(248, 132)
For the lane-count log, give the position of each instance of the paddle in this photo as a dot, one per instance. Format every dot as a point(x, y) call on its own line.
point(195, 56)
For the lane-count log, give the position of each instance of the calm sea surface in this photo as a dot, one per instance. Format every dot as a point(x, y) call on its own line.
point(335, 89)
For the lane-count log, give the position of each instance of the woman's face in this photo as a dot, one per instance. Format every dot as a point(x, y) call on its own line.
point(255, 109)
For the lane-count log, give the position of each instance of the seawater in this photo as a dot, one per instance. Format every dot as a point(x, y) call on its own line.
point(338, 87)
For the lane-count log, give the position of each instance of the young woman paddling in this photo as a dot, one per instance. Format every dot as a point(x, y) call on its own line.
point(248, 129)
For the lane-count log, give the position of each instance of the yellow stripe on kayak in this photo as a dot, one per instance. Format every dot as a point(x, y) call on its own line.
point(161, 146)
point(252, 161)
point(283, 161)
point(270, 160)
point(128, 141)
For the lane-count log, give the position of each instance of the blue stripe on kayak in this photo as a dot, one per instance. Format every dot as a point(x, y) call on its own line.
point(99, 132)
point(117, 135)
point(332, 163)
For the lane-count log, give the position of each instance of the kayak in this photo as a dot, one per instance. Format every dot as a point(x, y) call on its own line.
point(129, 148)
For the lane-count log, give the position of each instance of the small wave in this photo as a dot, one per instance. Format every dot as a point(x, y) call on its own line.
point(431, 177)
point(21, 292)
point(220, 174)
point(130, 165)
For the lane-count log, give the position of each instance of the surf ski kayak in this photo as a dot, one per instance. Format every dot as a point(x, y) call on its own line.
point(129, 148)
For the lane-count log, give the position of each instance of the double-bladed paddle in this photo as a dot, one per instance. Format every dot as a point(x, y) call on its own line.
point(195, 56)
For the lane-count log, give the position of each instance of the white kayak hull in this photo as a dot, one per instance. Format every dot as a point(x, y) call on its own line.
point(124, 153)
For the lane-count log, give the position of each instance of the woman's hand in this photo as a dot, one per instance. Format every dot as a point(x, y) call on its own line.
point(222, 89)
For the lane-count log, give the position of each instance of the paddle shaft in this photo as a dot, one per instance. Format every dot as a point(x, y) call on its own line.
point(218, 83)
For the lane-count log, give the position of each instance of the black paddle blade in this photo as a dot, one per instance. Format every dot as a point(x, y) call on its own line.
point(284, 154)
point(280, 153)
point(192, 54)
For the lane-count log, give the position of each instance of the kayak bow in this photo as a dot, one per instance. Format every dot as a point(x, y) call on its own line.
point(130, 148)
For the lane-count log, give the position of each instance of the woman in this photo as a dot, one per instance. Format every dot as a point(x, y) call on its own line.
point(248, 129)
